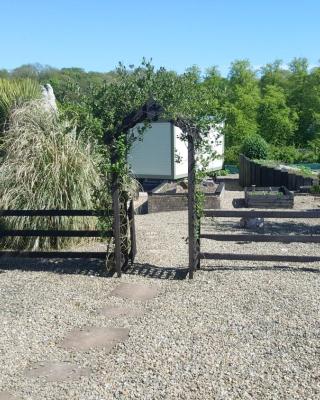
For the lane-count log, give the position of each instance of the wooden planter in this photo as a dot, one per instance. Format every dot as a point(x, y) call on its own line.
point(162, 200)
point(268, 197)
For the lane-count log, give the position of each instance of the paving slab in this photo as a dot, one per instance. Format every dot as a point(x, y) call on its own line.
point(57, 371)
point(117, 311)
point(135, 291)
point(7, 396)
point(90, 338)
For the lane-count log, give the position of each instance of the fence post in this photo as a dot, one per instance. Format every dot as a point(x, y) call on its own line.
point(133, 250)
point(198, 264)
point(241, 170)
point(191, 205)
point(116, 223)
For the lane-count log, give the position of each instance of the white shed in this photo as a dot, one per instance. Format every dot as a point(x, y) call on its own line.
point(162, 154)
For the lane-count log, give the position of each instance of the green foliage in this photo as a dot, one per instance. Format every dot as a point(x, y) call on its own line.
point(306, 171)
point(314, 146)
point(81, 117)
point(285, 154)
point(242, 103)
point(280, 104)
point(46, 166)
point(4, 74)
point(315, 189)
point(276, 120)
point(255, 147)
point(179, 95)
point(231, 154)
point(275, 75)
point(14, 93)
point(222, 172)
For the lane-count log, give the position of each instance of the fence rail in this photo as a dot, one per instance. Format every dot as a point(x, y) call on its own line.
point(119, 258)
point(263, 238)
point(262, 214)
point(257, 257)
point(301, 214)
point(54, 254)
point(55, 233)
point(56, 213)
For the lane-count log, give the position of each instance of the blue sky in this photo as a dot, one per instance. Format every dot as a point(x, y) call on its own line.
point(97, 34)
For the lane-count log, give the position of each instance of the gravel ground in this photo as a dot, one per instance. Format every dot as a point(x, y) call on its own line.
point(237, 331)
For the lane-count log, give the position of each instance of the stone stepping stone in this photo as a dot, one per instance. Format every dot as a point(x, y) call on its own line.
point(7, 396)
point(116, 311)
point(135, 291)
point(89, 338)
point(57, 371)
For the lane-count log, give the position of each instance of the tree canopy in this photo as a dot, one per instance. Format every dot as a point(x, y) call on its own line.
point(278, 102)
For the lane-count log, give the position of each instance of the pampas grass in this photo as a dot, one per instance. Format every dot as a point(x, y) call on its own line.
point(14, 93)
point(46, 166)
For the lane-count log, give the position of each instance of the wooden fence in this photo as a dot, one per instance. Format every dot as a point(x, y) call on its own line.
point(198, 255)
point(120, 259)
point(253, 173)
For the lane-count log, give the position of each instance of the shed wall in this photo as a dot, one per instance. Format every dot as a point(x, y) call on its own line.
point(180, 154)
point(151, 157)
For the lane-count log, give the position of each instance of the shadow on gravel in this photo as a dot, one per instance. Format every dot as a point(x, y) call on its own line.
point(59, 266)
point(284, 268)
point(156, 272)
point(270, 227)
point(91, 267)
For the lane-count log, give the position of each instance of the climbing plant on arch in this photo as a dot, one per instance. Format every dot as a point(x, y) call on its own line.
point(126, 102)
point(116, 140)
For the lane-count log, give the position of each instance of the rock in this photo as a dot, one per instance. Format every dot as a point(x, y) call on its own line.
point(57, 371)
point(88, 338)
point(251, 223)
point(135, 291)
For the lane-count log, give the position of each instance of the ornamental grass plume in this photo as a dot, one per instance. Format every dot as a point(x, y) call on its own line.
point(46, 166)
point(14, 93)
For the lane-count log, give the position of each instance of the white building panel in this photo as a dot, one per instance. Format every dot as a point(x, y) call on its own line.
point(151, 157)
point(181, 154)
point(218, 146)
point(162, 154)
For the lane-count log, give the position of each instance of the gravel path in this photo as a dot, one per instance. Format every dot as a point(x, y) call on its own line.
point(237, 331)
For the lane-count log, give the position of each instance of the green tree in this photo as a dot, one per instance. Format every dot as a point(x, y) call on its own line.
point(297, 94)
point(274, 74)
point(178, 94)
point(277, 122)
point(217, 90)
point(242, 103)
point(4, 74)
point(310, 110)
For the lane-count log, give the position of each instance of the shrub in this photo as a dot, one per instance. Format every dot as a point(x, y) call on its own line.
point(80, 116)
point(14, 93)
point(223, 172)
point(231, 155)
point(255, 147)
point(285, 154)
point(46, 166)
point(315, 189)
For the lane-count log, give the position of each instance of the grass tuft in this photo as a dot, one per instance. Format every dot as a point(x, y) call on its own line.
point(46, 166)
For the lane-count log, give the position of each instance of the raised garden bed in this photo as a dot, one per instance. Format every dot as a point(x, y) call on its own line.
point(270, 173)
point(173, 196)
point(268, 197)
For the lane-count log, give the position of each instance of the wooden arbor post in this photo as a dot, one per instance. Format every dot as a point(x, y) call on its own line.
point(193, 134)
point(118, 256)
point(192, 205)
point(150, 111)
